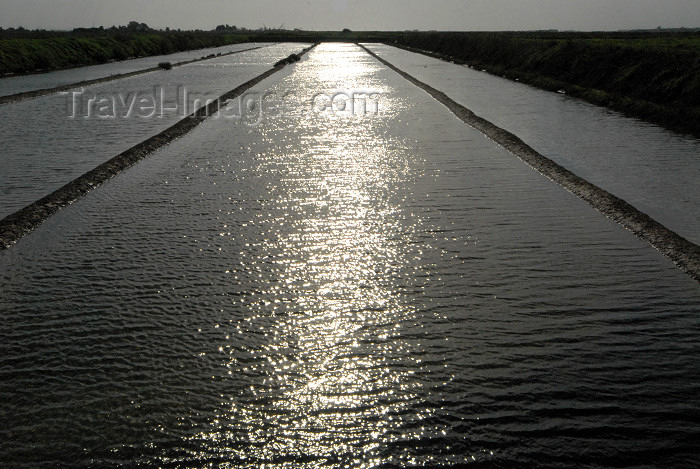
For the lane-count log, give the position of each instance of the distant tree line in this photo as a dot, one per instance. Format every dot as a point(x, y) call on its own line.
point(132, 27)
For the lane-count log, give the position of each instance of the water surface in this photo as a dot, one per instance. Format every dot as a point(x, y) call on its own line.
point(655, 170)
point(49, 141)
point(329, 291)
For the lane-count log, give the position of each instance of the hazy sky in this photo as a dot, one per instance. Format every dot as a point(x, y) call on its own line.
point(356, 14)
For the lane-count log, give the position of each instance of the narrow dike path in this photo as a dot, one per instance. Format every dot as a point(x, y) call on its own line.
point(22, 222)
point(685, 254)
point(57, 89)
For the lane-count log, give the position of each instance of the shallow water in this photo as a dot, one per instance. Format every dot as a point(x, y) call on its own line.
point(39, 81)
point(655, 170)
point(49, 141)
point(324, 290)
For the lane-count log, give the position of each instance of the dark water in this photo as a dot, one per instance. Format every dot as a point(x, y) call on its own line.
point(326, 290)
point(49, 141)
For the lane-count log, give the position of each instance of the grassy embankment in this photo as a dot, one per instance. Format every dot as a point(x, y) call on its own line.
point(652, 76)
point(27, 55)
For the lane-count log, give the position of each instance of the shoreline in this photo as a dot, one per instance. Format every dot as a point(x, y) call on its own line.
point(610, 74)
point(672, 119)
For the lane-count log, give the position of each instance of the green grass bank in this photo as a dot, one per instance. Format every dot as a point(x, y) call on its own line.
point(28, 55)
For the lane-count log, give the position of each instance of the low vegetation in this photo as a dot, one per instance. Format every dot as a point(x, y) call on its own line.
point(20, 55)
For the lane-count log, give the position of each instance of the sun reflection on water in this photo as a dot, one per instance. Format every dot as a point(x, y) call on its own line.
point(323, 351)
